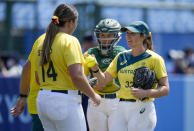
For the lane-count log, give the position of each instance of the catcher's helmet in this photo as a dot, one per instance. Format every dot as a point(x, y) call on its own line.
point(108, 26)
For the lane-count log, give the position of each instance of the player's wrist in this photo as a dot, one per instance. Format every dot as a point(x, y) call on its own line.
point(95, 69)
point(23, 96)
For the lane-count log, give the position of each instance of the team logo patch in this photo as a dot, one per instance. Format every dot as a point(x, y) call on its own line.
point(106, 61)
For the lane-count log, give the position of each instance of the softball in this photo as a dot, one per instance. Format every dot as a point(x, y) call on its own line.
point(90, 61)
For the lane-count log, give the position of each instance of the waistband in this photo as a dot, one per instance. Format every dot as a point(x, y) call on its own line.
point(127, 100)
point(109, 96)
point(71, 92)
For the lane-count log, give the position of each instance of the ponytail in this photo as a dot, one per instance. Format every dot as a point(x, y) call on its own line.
point(148, 43)
point(51, 32)
point(62, 14)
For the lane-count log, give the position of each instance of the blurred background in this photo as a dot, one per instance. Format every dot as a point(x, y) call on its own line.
point(171, 23)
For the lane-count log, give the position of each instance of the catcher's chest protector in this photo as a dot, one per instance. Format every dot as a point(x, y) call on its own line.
point(104, 61)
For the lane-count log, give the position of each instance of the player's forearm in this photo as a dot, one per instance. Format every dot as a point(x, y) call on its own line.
point(81, 84)
point(80, 80)
point(158, 92)
point(25, 78)
point(162, 90)
point(100, 75)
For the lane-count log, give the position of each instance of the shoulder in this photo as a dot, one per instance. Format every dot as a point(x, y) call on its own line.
point(125, 52)
point(154, 55)
point(67, 40)
point(66, 37)
point(119, 48)
point(39, 41)
point(123, 55)
point(41, 38)
point(93, 50)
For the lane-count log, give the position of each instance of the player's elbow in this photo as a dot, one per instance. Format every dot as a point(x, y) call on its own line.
point(163, 91)
point(77, 77)
point(166, 91)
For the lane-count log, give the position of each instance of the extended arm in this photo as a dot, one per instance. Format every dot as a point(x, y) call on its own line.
point(103, 78)
point(79, 79)
point(24, 87)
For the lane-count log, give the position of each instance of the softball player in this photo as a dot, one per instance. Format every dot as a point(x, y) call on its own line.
point(132, 113)
point(28, 80)
point(108, 35)
point(59, 72)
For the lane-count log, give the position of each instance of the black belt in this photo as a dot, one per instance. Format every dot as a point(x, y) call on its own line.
point(62, 91)
point(128, 100)
point(109, 96)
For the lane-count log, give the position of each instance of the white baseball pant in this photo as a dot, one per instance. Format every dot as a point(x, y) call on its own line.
point(99, 117)
point(134, 116)
point(60, 112)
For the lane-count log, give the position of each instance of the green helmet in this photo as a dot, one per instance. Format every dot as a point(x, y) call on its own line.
point(109, 26)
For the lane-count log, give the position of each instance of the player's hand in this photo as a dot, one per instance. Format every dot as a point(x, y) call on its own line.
point(90, 61)
point(99, 88)
point(19, 107)
point(93, 81)
point(138, 93)
point(96, 99)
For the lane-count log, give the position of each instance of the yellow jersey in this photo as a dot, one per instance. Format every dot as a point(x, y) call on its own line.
point(65, 51)
point(125, 63)
point(34, 87)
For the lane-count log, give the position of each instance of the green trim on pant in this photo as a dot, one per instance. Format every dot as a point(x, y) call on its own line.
point(36, 123)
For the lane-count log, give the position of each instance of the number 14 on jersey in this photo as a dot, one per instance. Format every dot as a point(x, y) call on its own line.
point(50, 72)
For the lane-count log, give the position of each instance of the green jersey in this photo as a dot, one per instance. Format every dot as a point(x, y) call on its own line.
point(104, 62)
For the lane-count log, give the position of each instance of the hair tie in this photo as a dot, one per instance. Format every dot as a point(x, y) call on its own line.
point(149, 35)
point(55, 20)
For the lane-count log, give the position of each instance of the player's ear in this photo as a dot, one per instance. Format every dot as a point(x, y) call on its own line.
point(73, 22)
point(143, 36)
point(69, 24)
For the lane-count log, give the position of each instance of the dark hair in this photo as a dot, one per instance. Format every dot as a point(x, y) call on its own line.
point(65, 13)
point(148, 43)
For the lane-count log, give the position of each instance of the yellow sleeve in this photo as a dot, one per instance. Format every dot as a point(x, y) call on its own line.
point(34, 48)
point(32, 51)
point(112, 68)
point(160, 68)
point(73, 53)
point(86, 69)
point(30, 56)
